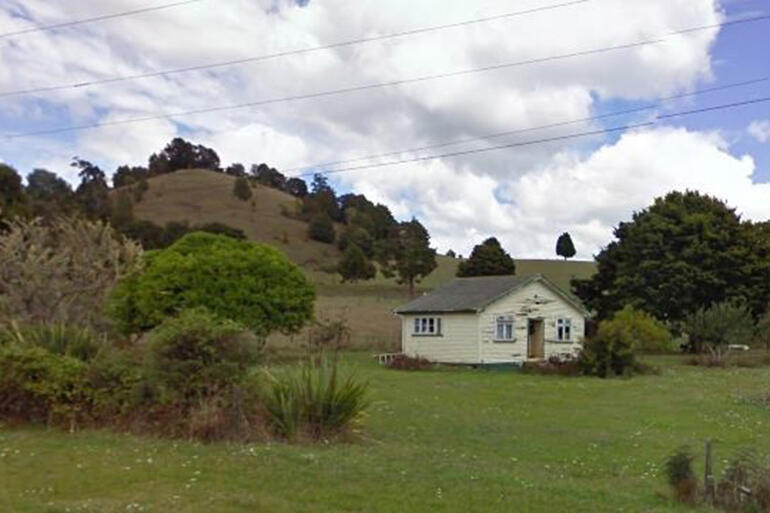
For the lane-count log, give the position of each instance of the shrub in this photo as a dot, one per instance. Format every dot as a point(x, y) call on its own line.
point(647, 333)
point(314, 400)
point(355, 266)
point(718, 326)
point(321, 229)
point(242, 189)
point(58, 338)
point(554, 366)
point(196, 355)
point(253, 284)
point(409, 363)
point(681, 477)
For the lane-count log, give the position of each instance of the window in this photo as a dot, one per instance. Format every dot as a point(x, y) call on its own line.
point(564, 330)
point(429, 326)
point(504, 331)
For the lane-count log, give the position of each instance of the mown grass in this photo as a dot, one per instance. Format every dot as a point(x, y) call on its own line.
point(447, 440)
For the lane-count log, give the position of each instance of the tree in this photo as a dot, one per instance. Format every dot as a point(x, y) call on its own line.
point(13, 201)
point(62, 271)
point(236, 169)
point(716, 327)
point(355, 235)
point(296, 187)
point(322, 200)
point(93, 193)
point(269, 176)
point(242, 189)
point(253, 284)
point(321, 229)
point(355, 266)
point(181, 154)
point(407, 253)
point(685, 252)
point(564, 246)
point(49, 195)
point(451, 254)
point(123, 210)
point(487, 259)
point(129, 175)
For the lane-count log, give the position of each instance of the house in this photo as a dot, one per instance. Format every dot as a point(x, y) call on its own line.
point(493, 319)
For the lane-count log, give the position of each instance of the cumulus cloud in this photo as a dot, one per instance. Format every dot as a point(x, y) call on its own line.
point(760, 130)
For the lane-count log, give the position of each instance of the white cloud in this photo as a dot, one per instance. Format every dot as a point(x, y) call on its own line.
point(760, 130)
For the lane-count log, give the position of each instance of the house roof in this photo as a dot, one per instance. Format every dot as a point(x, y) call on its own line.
point(474, 294)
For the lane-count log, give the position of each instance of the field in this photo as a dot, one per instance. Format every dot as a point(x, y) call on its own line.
point(451, 440)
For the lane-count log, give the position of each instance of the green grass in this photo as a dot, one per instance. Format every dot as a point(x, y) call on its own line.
point(453, 440)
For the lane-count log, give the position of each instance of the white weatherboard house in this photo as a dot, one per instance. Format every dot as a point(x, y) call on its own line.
point(492, 320)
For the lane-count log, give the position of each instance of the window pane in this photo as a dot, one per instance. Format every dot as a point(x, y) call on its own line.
point(423, 325)
point(499, 330)
point(431, 325)
point(509, 331)
point(416, 325)
point(438, 326)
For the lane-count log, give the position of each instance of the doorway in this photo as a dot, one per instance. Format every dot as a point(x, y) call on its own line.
point(536, 339)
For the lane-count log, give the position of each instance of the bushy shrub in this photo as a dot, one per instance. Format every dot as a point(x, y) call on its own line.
point(647, 333)
point(242, 189)
point(721, 324)
point(250, 283)
point(196, 355)
point(409, 363)
point(680, 475)
point(321, 229)
point(59, 338)
point(314, 400)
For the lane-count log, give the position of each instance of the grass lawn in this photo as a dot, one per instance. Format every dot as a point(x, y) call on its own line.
point(447, 440)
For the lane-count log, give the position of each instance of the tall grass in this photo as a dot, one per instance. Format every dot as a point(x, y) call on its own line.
point(314, 400)
point(59, 338)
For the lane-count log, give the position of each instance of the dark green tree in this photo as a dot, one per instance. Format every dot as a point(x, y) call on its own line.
point(93, 193)
point(355, 235)
point(296, 187)
point(354, 265)
point(242, 189)
point(250, 283)
point(684, 252)
point(129, 175)
point(49, 195)
point(236, 169)
point(564, 246)
point(407, 254)
point(321, 229)
point(181, 154)
point(487, 259)
point(122, 210)
point(13, 200)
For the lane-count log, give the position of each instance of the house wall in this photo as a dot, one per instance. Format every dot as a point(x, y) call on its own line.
point(458, 343)
point(530, 302)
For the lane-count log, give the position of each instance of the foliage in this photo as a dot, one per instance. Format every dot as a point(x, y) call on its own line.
point(564, 246)
point(181, 154)
point(355, 266)
point(250, 283)
point(129, 175)
point(487, 259)
point(321, 229)
point(407, 253)
point(242, 189)
point(152, 236)
point(49, 195)
point(314, 400)
point(408, 363)
point(356, 235)
point(763, 331)
point(58, 338)
point(646, 333)
point(93, 193)
point(685, 252)
point(680, 475)
point(123, 210)
point(237, 170)
point(296, 187)
point(13, 200)
point(62, 272)
point(197, 355)
point(716, 327)
point(269, 176)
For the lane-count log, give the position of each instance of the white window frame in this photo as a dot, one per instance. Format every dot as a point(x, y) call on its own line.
point(427, 327)
point(564, 329)
point(505, 329)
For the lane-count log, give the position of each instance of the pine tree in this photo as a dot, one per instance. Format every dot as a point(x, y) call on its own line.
point(407, 253)
point(564, 246)
point(354, 265)
point(487, 259)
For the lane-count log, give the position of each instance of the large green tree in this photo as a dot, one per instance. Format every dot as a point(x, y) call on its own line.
point(13, 200)
point(487, 259)
point(354, 265)
point(407, 254)
point(564, 246)
point(250, 283)
point(684, 252)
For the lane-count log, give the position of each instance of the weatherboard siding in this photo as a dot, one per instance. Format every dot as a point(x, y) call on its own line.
point(533, 301)
point(458, 342)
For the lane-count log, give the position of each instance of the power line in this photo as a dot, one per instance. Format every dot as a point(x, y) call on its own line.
point(287, 53)
point(334, 92)
point(534, 128)
point(546, 139)
point(96, 18)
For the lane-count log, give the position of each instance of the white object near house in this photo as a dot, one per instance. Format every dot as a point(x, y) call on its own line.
point(493, 319)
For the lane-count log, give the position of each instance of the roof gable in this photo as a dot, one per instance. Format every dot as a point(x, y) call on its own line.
point(474, 294)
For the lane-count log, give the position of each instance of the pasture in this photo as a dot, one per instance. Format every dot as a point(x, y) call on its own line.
point(447, 440)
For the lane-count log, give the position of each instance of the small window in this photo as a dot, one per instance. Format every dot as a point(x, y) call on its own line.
point(564, 330)
point(427, 326)
point(504, 330)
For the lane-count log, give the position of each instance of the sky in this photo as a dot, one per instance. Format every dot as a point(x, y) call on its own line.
point(525, 194)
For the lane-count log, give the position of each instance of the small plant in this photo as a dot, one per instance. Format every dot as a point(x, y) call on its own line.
point(58, 338)
point(408, 363)
point(681, 477)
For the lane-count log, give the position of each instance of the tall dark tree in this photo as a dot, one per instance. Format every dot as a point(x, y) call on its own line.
point(321, 229)
point(322, 200)
point(685, 252)
point(487, 259)
point(354, 265)
point(564, 246)
point(269, 176)
point(129, 175)
point(181, 154)
point(407, 254)
point(242, 189)
point(49, 195)
point(236, 169)
point(13, 200)
point(296, 187)
point(93, 192)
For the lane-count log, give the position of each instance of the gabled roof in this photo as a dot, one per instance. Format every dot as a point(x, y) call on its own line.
point(475, 294)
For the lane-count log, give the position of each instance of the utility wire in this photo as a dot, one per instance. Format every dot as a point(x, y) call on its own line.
point(95, 18)
point(334, 92)
point(546, 139)
point(634, 110)
point(287, 53)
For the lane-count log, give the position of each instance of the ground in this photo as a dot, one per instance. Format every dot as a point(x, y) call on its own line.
point(448, 440)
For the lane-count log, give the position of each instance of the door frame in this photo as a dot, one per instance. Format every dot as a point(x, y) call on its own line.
point(535, 330)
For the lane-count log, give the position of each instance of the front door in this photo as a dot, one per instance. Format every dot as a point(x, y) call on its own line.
point(536, 339)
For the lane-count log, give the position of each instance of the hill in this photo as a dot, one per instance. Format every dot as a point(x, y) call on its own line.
point(199, 197)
